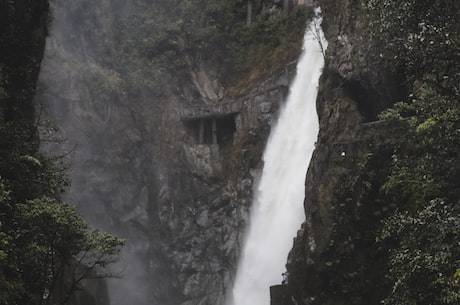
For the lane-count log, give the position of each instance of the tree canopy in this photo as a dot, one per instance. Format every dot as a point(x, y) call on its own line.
point(421, 235)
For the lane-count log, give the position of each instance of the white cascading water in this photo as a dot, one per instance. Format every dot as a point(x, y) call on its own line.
point(277, 210)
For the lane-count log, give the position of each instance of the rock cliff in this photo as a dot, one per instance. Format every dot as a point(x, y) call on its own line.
point(165, 143)
point(333, 259)
point(163, 108)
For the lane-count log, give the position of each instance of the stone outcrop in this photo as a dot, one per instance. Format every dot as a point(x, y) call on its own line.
point(168, 163)
point(23, 29)
point(140, 166)
point(354, 88)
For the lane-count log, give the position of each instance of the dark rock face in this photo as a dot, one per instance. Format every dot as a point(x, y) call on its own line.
point(23, 28)
point(354, 88)
point(167, 163)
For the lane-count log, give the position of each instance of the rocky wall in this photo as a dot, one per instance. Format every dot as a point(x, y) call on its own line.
point(137, 169)
point(354, 88)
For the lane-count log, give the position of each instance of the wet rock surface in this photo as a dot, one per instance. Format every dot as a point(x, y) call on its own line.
point(180, 199)
point(351, 93)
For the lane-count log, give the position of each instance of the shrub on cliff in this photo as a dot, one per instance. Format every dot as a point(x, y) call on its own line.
point(425, 249)
point(47, 249)
point(422, 36)
point(422, 237)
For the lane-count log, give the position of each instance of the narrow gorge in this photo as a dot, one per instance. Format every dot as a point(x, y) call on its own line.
point(164, 157)
point(150, 119)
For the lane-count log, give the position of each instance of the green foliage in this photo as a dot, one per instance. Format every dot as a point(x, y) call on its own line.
point(421, 234)
point(264, 47)
point(50, 247)
point(423, 255)
point(217, 30)
point(24, 171)
point(41, 238)
point(45, 246)
point(420, 35)
point(399, 201)
point(352, 262)
point(399, 111)
point(49, 233)
point(427, 159)
point(193, 31)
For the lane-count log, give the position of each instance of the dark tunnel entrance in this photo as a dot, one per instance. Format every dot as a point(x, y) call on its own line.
point(214, 130)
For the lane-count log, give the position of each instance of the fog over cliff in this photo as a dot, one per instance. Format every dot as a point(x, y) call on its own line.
point(160, 153)
point(158, 111)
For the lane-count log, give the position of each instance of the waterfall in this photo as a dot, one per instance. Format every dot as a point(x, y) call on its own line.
point(277, 210)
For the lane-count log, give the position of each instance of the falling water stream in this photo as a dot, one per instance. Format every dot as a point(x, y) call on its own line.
point(277, 211)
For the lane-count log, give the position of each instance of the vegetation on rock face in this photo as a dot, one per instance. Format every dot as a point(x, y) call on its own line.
point(212, 32)
point(422, 36)
point(264, 48)
point(423, 247)
point(422, 235)
point(135, 60)
point(409, 181)
point(395, 206)
point(46, 248)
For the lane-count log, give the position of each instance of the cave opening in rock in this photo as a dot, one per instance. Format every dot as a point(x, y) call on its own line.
point(226, 129)
point(213, 130)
